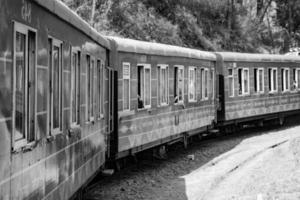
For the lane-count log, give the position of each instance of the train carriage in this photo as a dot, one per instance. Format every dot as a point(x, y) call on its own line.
point(53, 100)
point(165, 93)
point(257, 87)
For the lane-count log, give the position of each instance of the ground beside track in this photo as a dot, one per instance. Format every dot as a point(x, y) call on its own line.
point(253, 164)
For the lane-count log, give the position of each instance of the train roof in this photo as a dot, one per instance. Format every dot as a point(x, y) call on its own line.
point(251, 57)
point(141, 47)
point(61, 10)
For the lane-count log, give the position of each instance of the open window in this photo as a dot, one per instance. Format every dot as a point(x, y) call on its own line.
point(100, 88)
point(204, 83)
point(272, 75)
point(296, 79)
point(24, 88)
point(55, 78)
point(75, 87)
point(179, 84)
point(258, 80)
point(144, 86)
point(126, 86)
point(163, 84)
point(192, 84)
point(285, 79)
point(243, 81)
point(212, 85)
point(230, 83)
point(90, 63)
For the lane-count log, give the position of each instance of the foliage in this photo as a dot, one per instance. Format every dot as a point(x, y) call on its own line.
point(217, 25)
point(288, 17)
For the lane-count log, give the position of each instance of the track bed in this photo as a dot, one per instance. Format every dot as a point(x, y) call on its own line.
point(252, 164)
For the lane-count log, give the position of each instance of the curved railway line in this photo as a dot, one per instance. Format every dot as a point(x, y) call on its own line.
point(240, 150)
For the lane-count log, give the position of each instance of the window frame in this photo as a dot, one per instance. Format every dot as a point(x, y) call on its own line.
point(178, 68)
point(192, 68)
point(296, 82)
point(145, 66)
point(271, 79)
point(243, 81)
point(231, 77)
point(213, 79)
point(90, 112)
point(77, 52)
point(160, 79)
point(56, 43)
point(258, 89)
point(100, 83)
point(23, 29)
point(204, 74)
point(283, 79)
point(123, 85)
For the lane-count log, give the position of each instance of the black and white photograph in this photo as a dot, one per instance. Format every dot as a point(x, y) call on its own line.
point(149, 99)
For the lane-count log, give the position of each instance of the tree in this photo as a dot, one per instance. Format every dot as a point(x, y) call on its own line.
point(288, 17)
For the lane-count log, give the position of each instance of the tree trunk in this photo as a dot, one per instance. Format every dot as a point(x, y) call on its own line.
point(93, 13)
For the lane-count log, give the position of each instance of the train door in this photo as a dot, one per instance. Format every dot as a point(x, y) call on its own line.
point(221, 98)
point(112, 143)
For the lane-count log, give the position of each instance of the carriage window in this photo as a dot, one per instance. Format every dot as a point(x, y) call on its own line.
point(204, 84)
point(75, 87)
point(243, 81)
point(230, 83)
point(95, 89)
point(100, 88)
point(272, 73)
point(163, 84)
point(24, 88)
point(144, 86)
point(258, 80)
point(55, 66)
point(192, 84)
point(126, 86)
point(212, 79)
point(90, 85)
point(178, 84)
point(285, 80)
point(296, 79)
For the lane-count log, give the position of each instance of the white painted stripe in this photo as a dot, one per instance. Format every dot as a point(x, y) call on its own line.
point(44, 159)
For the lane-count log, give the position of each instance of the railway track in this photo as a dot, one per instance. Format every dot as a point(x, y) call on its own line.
point(209, 152)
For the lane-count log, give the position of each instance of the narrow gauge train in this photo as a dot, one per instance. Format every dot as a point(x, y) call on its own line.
point(53, 100)
point(256, 87)
point(164, 93)
point(64, 113)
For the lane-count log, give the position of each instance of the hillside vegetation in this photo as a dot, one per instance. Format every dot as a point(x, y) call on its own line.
point(215, 25)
